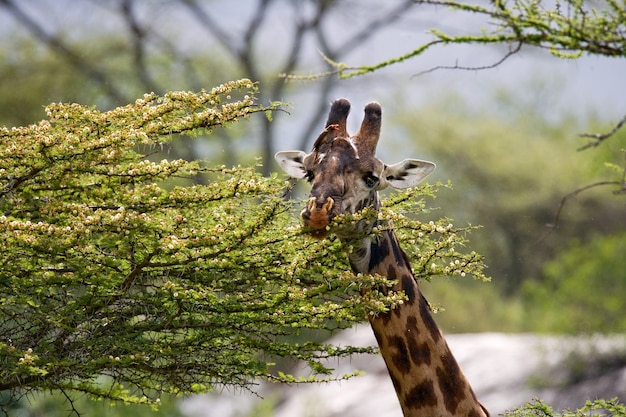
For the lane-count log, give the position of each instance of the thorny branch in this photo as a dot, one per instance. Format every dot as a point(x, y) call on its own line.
point(557, 217)
point(601, 137)
point(514, 50)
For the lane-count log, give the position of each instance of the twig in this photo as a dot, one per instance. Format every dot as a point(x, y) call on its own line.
point(555, 224)
point(511, 52)
point(599, 137)
point(70, 400)
point(128, 281)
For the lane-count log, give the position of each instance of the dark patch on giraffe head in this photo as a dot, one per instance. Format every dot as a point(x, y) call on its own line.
point(451, 382)
point(427, 319)
point(421, 395)
point(400, 356)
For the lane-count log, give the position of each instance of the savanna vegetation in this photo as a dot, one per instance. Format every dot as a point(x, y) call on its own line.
point(151, 217)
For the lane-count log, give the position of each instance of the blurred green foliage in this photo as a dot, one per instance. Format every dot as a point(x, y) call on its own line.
point(56, 404)
point(582, 290)
point(601, 407)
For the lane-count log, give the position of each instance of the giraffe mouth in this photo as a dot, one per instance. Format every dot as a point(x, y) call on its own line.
point(317, 217)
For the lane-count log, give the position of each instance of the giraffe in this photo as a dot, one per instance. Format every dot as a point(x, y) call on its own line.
point(345, 177)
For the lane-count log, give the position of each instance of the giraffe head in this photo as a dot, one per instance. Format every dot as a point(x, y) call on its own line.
point(343, 170)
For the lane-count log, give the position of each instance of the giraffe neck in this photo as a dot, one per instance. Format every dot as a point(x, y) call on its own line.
point(425, 374)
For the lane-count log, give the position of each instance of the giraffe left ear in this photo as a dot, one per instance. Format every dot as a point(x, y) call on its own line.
point(408, 173)
point(292, 162)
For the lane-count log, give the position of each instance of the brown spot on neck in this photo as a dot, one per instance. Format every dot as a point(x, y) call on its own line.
point(427, 318)
point(451, 384)
point(420, 353)
point(400, 356)
point(421, 395)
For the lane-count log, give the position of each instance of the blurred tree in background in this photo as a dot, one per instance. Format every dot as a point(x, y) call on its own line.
point(510, 181)
point(565, 301)
point(175, 45)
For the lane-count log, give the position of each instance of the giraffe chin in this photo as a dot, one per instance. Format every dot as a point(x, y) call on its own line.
point(317, 222)
point(319, 234)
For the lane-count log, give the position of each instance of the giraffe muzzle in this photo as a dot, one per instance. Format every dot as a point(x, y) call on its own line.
point(317, 216)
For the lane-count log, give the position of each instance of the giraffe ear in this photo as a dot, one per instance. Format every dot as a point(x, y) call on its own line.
point(408, 173)
point(292, 162)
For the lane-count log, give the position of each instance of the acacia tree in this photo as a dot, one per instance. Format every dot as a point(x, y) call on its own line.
point(122, 278)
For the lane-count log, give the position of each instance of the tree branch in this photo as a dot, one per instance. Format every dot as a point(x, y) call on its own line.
point(509, 54)
point(555, 224)
point(564, 35)
point(210, 24)
point(62, 49)
point(601, 137)
point(138, 41)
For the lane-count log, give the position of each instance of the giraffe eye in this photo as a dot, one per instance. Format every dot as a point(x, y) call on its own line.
point(370, 180)
point(309, 176)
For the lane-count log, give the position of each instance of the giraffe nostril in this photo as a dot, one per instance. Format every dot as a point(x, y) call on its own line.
point(315, 204)
point(328, 205)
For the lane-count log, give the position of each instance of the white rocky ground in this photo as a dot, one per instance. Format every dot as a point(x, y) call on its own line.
point(506, 370)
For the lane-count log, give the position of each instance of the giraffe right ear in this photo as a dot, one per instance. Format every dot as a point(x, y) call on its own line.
point(292, 162)
point(408, 173)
